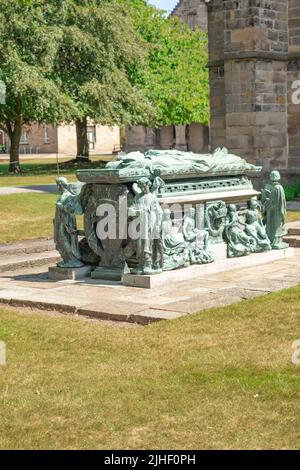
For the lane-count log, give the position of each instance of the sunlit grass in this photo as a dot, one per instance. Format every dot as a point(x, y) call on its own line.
point(26, 216)
point(222, 379)
point(45, 171)
point(293, 216)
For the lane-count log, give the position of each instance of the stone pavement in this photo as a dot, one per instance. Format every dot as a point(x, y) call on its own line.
point(47, 188)
point(30, 287)
point(294, 205)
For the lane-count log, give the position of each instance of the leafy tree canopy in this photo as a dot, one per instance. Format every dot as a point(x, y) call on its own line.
point(28, 48)
point(175, 78)
point(98, 48)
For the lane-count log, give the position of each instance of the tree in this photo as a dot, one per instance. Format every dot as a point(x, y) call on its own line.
point(99, 47)
point(175, 78)
point(28, 48)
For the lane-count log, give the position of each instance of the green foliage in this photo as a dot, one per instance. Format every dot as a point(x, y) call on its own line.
point(175, 78)
point(98, 48)
point(115, 61)
point(292, 191)
point(28, 48)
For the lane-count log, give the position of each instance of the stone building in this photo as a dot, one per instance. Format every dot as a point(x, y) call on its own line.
point(194, 137)
point(254, 61)
point(193, 12)
point(46, 139)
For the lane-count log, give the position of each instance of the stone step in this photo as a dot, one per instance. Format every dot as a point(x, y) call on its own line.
point(293, 241)
point(26, 247)
point(13, 263)
point(294, 231)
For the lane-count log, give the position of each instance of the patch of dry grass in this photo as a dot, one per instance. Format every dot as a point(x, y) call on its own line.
point(293, 216)
point(222, 379)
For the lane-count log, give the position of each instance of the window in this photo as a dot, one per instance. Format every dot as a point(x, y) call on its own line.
point(47, 135)
point(91, 135)
point(24, 138)
point(192, 20)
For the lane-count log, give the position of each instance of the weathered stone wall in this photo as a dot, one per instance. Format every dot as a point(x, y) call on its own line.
point(198, 138)
point(36, 140)
point(293, 70)
point(251, 77)
point(107, 139)
point(216, 74)
point(140, 138)
point(294, 25)
point(166, 137)
point(195, 138)
point(193, 12)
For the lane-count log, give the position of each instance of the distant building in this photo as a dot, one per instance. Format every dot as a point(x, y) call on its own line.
point(193, 12)
point(2, 141)
point(47, 139)
point(193, 137)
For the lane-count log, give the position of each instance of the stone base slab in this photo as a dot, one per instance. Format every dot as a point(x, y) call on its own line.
point(219, 250)
point(61, 274)
point(198, 271)
point(107, 274)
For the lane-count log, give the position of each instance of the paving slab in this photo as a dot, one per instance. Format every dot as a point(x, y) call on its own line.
point(107, 300)
point(27, 247)
point(293, 205)
point(9, 190)
point(204, 270)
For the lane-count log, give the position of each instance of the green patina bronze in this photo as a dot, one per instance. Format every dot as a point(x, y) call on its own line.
point(273, 198)
point(176, 163)
point(239, 244)
point(255, 229)
point(222, 206)
point(245, 232)
point(147, 208)
point(68, 207)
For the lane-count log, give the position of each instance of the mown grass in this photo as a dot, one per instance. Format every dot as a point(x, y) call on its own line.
point(45, 171)
point(293, 216)
point(34, 180)
point(26, 216)
point(222, 379)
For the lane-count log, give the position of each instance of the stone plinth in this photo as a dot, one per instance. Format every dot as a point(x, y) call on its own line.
point(230, 197)
point(60, 274)
point(219, 250)
point(107, 274)
point(199, 271)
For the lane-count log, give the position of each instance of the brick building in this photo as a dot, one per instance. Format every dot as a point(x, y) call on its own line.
point(254, 61)
point(194, 137)
point(46, 139)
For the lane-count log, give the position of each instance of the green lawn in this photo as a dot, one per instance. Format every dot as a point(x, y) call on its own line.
point(222, 379)
point(26, 216)
point(6, 181)
point(293, 216)
point(45, 171)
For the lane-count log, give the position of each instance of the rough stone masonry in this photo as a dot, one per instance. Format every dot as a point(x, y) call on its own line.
point(254, 61)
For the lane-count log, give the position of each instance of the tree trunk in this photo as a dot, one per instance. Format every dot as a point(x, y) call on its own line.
point(15, 137)
point(83, 151)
